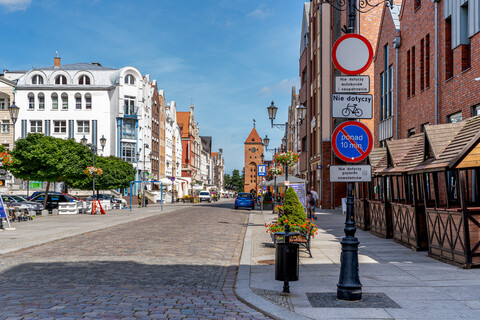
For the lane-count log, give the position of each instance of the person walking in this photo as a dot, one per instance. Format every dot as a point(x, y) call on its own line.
point(315, 197)
point(310, 206)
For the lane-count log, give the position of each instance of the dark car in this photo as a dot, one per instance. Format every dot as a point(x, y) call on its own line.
point(53, 200)
point(36, 193)
point(244, 200)
point(20, 205)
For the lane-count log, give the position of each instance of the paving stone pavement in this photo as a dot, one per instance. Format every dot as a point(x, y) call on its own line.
point(177, 265)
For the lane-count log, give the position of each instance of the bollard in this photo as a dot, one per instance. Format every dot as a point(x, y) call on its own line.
point(286, 259)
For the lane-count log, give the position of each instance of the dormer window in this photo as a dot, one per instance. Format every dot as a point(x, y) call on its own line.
point(84, 80)
point(129, 79)
point(61, 79)
point(37, 79)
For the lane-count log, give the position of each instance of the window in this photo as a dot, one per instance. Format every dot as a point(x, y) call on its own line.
point(54, 101)
point(129, 105)
point(386, 87)
point(60, 126)
point(78, 101)
point(88, 101)
point(128, 129)
point(128, 152)
point(129, 79)
point(61, 79)
point(422, 64)
point(408, 74)
point(41, 101)
point(448, 49)
point(454, 118)
point(413, 71)
point(37, 79)
point(84, 80)
point(476, 110)
point(410, 132)
point(417, 4)
point(64, 101)
point(427, 61)
point(5, 126)
point(31, 101)
point(83, 126)
point(4, 104)
point(465, 40)
point(36, 126)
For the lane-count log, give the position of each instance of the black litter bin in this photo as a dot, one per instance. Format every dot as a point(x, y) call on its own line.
point(286, 262)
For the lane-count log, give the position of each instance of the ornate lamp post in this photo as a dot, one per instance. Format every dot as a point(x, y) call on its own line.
point(93, 148)
point(349, 286)
point(272, 113)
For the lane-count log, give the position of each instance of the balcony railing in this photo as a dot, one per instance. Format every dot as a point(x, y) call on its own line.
point(385, 129)
point(130, 111)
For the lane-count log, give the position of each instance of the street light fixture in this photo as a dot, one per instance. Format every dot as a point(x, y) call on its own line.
point(93, 148)
point(272, 113)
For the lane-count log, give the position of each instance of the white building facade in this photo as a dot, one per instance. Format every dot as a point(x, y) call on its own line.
point(77, 100)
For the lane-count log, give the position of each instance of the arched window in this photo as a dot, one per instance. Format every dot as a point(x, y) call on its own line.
point(88, 101)
point(84, 80)
point(64, 101)
point(129, 79)
point(54, 101)
point(61, 79)
point(78, 101)
point(31, 101)
point(41, 101)
point(37, 79)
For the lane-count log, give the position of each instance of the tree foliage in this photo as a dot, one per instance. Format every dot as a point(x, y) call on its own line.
point(117, 173)
point(42, 158)
point(234, 181)
point(293, 208)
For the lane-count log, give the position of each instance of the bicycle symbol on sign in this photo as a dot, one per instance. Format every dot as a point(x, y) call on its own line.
point(352, 108)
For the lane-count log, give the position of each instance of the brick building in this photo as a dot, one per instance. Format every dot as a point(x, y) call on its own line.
point(432, 78)
point(253, 153)
point(190, 145)
point(317, 77)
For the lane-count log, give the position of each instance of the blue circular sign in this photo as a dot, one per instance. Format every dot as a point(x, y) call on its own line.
point(172, 178)
point(352, 141)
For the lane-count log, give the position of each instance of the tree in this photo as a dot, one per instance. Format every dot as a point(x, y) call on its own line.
point(293, 208)
point(42, 158)
point(117, 173)
point(237, 181)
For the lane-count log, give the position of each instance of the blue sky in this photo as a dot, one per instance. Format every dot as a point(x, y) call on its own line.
point(230, 58)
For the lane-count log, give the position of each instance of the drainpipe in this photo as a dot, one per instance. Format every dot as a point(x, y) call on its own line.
point(396, 44)
point(436, 59)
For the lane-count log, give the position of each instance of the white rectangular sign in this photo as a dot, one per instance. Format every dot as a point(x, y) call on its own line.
point(354, 173)
point(352, 106)
point(352, 84)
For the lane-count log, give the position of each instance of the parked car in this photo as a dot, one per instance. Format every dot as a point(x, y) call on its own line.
point(71, 199)
point(205, 196)
point(20, 205)
point(244, 200)
point(113, 199)
point(53, 199)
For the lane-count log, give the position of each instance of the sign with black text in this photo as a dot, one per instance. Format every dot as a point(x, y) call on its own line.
point(352, 84)
point(354, 173)
point(352, 106)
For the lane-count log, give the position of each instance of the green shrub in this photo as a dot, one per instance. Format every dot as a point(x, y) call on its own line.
point(293, 208)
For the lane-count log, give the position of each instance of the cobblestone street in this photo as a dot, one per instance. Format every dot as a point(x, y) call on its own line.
point(177, 265)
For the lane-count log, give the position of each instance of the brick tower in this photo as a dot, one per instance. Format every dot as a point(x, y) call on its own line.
point(253, 152)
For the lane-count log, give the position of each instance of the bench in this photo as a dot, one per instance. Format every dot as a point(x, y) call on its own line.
point(303, 240)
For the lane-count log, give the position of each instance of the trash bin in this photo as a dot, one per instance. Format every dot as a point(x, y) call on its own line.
point(286, 262)
point(286, 259)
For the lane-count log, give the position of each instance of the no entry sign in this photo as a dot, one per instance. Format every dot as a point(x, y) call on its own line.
point(352, 141)
point(352, 54)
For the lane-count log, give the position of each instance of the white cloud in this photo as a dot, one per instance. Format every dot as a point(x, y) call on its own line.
point(15, 5)
point(259, 13)
point(284, 86)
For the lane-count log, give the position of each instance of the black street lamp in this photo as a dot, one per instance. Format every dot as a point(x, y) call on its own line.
point(272, 114)
point(93, 148)
point(349, 286)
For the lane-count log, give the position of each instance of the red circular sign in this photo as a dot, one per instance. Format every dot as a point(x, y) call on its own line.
point(352, 54)
point(352, 141)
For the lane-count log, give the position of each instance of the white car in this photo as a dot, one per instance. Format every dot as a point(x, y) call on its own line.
point(205, 196)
